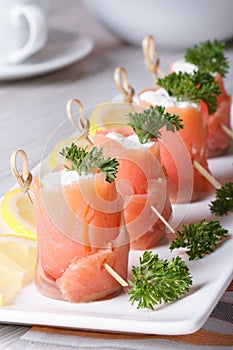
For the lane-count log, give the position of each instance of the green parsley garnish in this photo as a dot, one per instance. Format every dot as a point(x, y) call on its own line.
point(223, 203)
point(199, 239)
point(147, 124)
point(156, 280)
point(192, 87)
point(85, 162)
point(209, 56)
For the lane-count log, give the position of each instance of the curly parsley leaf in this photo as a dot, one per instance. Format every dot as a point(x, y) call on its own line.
point(85, 162)
point(209, 56)
point(156, 280)
point(147, 124)
point(199, 239)
point(192, 87)
point(223, 203)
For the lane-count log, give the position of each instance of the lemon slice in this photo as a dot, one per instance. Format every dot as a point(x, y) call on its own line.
point(18, 258)
point(12, 278)
point(11, 273)
point(55, 157)
point(1, 298)
point(22, 251)
point(18, 214)
point(109, 115)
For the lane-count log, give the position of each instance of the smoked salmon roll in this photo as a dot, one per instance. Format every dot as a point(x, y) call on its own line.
point(217, 139)
point(209, 56)
point(142, 182)
point(80, 226)
point(178, 151)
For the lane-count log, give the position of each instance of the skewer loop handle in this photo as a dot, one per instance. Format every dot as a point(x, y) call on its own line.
point(121, 80)
point(82, 124)
point(24, 178)
point(151, 57)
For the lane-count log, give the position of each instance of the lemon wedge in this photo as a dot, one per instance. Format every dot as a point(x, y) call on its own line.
point(55, 157)
point(18, 214)
point(22, 251)
point(12, 278)
point(18, 258)
point(1, 298)
point(109, 115)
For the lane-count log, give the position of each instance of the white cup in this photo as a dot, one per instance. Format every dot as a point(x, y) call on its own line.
point(23, 29)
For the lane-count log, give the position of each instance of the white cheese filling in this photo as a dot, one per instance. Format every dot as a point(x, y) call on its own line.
point(129, 142)
point(62, 178)
point(184, 67)
point(160, 97)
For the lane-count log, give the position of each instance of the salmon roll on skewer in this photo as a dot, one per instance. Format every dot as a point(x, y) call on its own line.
point(80, 226)
point(142, 184)
point(173, 93)
point(209, 56)
point(140, 178)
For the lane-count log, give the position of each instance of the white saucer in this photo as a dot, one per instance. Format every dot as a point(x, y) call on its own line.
point(61, 49)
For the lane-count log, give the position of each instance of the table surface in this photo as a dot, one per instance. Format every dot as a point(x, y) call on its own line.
point(31, 109)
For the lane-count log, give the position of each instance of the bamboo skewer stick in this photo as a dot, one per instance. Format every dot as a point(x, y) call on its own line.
point(24, 179)
point(162, 218)
point(115, 275)
point(83, 124)
point(151, 57)
point(227, 130)
point(121, 80)
point(207, 175)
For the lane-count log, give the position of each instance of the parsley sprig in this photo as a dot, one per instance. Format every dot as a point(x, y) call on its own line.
point(223, 202)
point(200, 238)
point(209, 56)
point(156, 280)
point(85, 162)
point(147, 124)
point(192, 87)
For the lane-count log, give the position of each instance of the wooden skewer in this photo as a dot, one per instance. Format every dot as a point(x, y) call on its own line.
point(207, 175)
point(151, 57)
point(162, 218)
point(227, 130)
point(121, 80)
point(115, 275)
point(24, 179)
point(83, 124)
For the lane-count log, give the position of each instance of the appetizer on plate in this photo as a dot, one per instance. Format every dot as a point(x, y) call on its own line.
point(80, 225)
point(209, 56)
point(141, 179)
point(182, 93)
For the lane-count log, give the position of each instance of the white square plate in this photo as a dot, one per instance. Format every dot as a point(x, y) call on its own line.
point(211, 276)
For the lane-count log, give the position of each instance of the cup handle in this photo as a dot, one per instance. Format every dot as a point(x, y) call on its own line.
point(38, 31)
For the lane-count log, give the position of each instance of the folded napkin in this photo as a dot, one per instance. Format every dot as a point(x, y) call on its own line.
point(216, 334)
